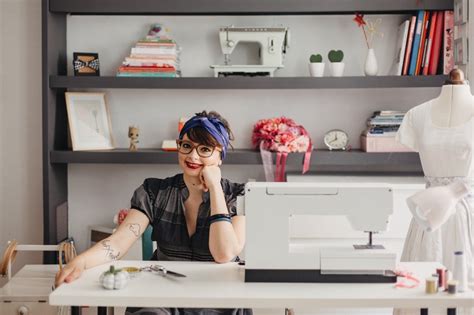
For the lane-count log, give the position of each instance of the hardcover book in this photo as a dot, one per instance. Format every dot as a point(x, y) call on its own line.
point(416, 42)
point(401, 48)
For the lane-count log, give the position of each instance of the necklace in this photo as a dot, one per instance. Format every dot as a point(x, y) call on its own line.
point(188, 181)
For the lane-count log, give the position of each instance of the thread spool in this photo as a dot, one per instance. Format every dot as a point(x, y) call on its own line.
point(460, 272)
point(435, 275)
point(431, 285)
point(441, 278)
point(452, 286)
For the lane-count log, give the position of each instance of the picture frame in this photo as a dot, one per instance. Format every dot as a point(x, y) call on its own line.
point(86, 64)
point(89, 121)
point(460, 12)
point(460, 51)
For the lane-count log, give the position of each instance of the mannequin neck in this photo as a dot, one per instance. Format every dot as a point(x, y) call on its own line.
point(453, 107)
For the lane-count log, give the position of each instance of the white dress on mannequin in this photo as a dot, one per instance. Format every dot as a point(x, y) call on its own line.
point(446, 155)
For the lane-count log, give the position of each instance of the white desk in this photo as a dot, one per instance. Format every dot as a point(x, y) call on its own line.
point(222, 286)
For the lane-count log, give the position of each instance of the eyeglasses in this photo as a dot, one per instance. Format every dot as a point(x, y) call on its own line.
point(186, 147)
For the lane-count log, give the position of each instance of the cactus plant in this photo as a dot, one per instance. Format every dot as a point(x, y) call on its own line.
point(316, 58)
point(336, 56)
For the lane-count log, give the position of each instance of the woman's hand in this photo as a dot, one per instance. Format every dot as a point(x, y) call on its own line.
point(71, 272)
point(211, 177)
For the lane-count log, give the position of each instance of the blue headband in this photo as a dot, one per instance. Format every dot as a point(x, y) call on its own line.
point(212, 125)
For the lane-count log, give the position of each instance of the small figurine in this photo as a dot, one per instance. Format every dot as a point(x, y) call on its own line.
point(133, 135)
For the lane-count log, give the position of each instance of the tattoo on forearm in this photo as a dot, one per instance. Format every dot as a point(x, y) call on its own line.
point(109, 251)
point(135, 229)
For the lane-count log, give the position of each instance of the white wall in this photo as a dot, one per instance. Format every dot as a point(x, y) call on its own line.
point(97, 192)
point(471, 43)
point(21, 214)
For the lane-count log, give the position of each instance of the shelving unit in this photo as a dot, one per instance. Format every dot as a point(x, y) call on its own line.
point(322, 160)
point(247, 7)
point(55, 83)
point(247, 83)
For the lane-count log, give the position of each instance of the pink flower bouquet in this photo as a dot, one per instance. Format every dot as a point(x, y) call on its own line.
point(281, 135)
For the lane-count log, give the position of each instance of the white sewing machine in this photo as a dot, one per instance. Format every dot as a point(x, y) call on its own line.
point(273, 43)
point(270, 255)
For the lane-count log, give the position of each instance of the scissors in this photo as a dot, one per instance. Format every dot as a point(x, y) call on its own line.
point(162, 270)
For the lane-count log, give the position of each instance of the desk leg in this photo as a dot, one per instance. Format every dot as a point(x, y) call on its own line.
point(75, 310)
point(101, 310)
point(451, 311)
point(423, 311)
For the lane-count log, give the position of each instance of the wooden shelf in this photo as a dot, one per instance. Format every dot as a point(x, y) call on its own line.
point(247, 7)
point(321, 160)
point(361, 82)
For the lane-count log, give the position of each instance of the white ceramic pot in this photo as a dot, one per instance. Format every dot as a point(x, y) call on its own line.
point(316, 69)
point(337, 69)
point(371, 67)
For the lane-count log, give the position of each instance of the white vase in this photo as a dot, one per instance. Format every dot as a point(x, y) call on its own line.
point(316, 69)
point(371, 68)
point(337, 69)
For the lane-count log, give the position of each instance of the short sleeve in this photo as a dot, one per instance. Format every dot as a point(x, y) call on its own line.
point(406, 134)
point(234, 196)
point(142, 200)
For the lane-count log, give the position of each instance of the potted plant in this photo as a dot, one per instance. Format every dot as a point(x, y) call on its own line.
point(316, 65)
point(337, 66)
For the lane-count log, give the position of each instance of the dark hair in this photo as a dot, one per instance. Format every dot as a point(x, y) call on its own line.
point(200, 135)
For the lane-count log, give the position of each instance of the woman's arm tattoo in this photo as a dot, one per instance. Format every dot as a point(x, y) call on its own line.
point(109, 251)
point(135, 229)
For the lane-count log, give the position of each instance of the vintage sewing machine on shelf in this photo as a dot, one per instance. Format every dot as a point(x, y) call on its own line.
point(272, 256)
point(273, 43)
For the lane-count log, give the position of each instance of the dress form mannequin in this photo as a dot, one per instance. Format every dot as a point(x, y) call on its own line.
point(441, 131)
point(455, 105)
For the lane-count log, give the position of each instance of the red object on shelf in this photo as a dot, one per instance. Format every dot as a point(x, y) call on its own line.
point(437, 42)
point(429, 49)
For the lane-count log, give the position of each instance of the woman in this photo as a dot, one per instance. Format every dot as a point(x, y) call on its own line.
point(193, 214)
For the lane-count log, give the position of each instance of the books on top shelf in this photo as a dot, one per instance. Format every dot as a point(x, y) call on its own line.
point(382, 128)
point(425, 44)
point(156, 55)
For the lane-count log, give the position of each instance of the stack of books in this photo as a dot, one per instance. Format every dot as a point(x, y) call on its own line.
point(381, 130)
point(156, 55)
point(425, 44)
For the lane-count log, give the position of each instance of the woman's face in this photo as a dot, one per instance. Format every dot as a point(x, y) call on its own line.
point(192, 163)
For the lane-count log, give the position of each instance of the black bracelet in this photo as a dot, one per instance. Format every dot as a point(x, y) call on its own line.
point(219, 217)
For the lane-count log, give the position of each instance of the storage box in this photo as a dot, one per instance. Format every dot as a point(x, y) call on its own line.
point(382, 144)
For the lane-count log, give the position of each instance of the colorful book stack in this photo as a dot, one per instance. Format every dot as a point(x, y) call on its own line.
point(157, 55)
point(381, 131)
point(425, 44)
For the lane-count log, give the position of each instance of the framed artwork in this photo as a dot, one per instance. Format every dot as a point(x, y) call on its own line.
point(89, 121)
point(460, 12)
point(86, 64)
point(460, 51)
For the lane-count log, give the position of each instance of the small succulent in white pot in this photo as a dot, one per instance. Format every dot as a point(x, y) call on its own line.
point(337, 66)
point(316, 65)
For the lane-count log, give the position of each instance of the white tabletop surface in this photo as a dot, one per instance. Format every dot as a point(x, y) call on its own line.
point(222, 285)
point(32, 282)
